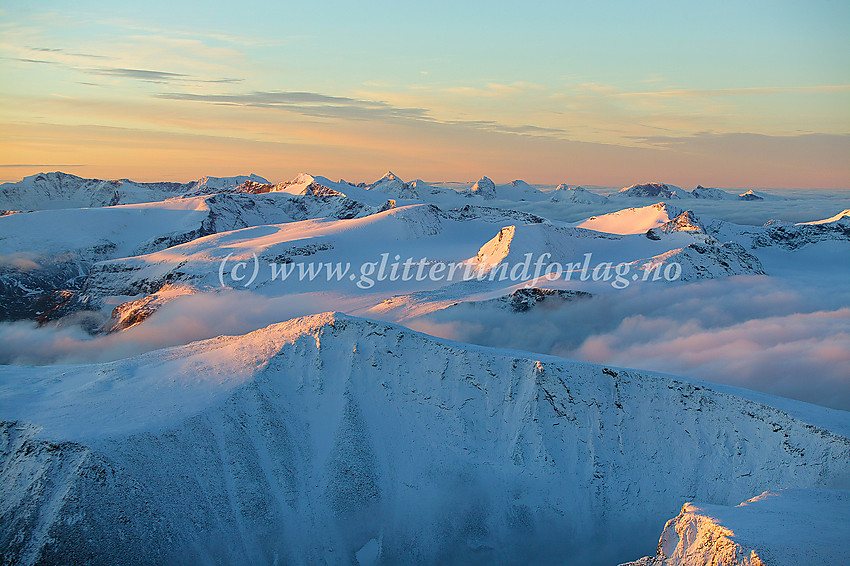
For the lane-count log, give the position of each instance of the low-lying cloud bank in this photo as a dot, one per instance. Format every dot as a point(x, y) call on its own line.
point(183, 320)
point(754, 332)
point(784, 336)
point(800, 206)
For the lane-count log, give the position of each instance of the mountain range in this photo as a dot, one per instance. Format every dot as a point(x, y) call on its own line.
point(306, 420)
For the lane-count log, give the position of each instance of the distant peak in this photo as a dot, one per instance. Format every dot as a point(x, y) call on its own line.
point(303, 178)
point(484, 187)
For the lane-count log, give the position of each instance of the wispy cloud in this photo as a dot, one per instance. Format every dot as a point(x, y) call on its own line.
point(153, 76)
point(27, 60)
point(319, 105)
point(308, 104)
point(134, 68)
point(61, 51)
point(141, 74)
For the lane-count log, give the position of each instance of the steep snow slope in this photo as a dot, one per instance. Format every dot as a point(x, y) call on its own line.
point(840, 216)
point(318, 438)
point(782, 528)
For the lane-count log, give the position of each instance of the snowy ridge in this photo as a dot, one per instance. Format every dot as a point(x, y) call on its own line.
point(708, 259)
point(633, 220)
point(841, 216)
point(306, 440)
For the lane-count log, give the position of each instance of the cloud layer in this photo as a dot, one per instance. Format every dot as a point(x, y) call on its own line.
point(755, 332)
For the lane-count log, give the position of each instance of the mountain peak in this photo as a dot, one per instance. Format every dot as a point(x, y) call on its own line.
point(392, 185)
point(484, 187)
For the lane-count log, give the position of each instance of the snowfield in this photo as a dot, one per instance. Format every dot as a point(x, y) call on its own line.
point(158, 408)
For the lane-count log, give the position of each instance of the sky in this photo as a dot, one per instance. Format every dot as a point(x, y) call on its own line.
point(726, 94)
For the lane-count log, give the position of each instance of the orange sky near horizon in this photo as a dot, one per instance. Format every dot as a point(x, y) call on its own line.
point(167, 91)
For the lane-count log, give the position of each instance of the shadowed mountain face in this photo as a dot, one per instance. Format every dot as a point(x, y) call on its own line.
point(304, 441)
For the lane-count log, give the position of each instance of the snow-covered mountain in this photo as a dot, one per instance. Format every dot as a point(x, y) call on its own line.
point(315, 185)
point(641, 220)
point(420, 187)
point(47, 191)
point(578, 195)
point(212, 185)
point(49, 253)
point(672, 192)
point(707, 259)
point(488, 241)
point(339, 439)
point(783, 528)
point(332, 439)
point(519, 190)
point(788, 236)
point(708, 193)
point(391, 185)
point(651, 190)
point(484, 187)
point(65, 260)
point(751, 195)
